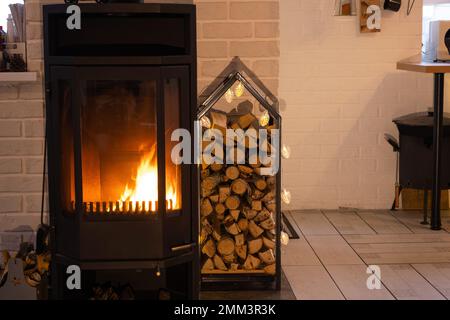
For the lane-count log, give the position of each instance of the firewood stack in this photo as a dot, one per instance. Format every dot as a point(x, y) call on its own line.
point(238, 205)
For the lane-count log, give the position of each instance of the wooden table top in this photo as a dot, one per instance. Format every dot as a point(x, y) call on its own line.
point(416, 64)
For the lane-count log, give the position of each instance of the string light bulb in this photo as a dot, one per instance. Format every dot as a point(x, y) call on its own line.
point(284, 238)
point(205, 122)
point(286, 152)
point(229, 96)
point(239, 90)
point(286, 196)
point(264, 119)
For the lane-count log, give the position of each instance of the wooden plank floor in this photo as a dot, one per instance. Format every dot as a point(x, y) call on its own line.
point(335, 249)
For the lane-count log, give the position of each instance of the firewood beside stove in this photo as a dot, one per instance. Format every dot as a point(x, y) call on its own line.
point(237, 210)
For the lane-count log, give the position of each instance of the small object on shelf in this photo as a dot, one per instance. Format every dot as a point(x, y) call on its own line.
point(345, 8)
point(15, 62)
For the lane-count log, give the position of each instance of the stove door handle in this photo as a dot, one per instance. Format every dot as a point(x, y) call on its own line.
point(183, 247)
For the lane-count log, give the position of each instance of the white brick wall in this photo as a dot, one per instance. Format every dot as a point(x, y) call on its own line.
point(340, 90)
point(248, 29)
point(225, 28)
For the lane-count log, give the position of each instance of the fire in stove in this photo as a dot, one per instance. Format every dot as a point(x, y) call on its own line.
point(145, 192)
point(141, 194)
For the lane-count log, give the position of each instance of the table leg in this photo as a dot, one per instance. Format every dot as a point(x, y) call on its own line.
point(437, 148)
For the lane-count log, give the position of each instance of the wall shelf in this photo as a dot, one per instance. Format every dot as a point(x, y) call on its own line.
point(18, 76)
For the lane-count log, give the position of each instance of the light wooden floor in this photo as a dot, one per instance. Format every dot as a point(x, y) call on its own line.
point(330, 259)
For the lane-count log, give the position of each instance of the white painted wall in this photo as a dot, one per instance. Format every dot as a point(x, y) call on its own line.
point(340, 91)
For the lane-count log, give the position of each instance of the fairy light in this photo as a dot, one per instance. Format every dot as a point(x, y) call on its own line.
point(205, 122)
point(286, 152)
point(286, 196)
point(239, 90)
point(284, 237)
point(229, 96)
point(264, 119)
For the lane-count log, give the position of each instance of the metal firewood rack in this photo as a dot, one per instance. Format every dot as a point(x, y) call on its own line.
point(269, 102)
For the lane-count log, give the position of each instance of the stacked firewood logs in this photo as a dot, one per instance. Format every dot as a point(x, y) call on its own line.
point(237, 210)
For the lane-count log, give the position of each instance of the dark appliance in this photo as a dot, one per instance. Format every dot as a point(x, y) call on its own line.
point(416, 150)
point(415, 153)
point(120, 209)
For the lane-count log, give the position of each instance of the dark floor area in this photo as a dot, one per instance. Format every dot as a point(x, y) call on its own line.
point(285, 293)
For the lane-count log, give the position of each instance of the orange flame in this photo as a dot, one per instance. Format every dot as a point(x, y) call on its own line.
point(146, 186)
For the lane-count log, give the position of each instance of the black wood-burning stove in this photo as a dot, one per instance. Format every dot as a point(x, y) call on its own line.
point(416, 156)
point(120, 209)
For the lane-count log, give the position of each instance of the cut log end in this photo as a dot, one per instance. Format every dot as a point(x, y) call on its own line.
point(225, 246)
point(239, 187)
point(232, 173)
